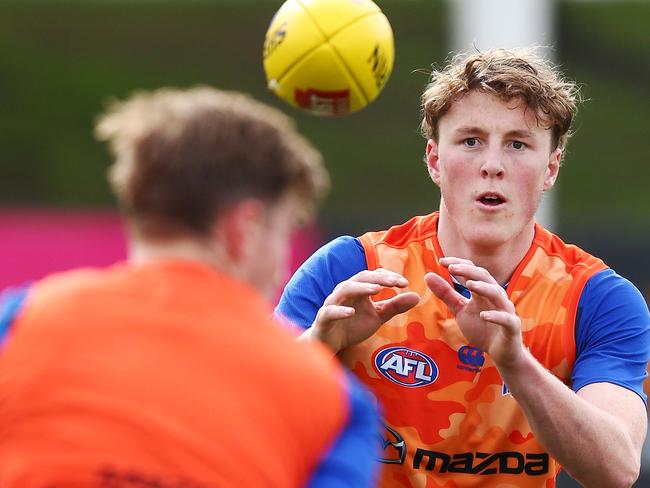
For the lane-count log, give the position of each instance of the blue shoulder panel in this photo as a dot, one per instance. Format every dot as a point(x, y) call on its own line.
point(11, 302)
point(308, 288)
point(612, 334)
point(352, 462)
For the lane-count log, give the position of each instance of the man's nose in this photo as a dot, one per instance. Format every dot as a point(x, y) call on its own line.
point(492, 164)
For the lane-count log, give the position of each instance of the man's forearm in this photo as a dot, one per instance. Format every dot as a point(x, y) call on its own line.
point(592, 445)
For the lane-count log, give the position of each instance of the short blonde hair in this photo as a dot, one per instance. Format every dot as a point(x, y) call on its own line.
point(507, 74)
point(181, 156)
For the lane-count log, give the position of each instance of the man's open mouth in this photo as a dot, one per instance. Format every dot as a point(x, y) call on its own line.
point(491, 199)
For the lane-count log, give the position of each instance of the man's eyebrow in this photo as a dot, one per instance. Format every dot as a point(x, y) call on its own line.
point(468, 129)
point(520, 133)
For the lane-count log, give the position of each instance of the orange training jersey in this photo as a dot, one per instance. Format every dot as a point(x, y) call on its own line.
point(450, 421)
point(165, 374)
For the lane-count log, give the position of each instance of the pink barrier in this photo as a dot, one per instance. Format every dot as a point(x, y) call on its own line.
point(34, 242)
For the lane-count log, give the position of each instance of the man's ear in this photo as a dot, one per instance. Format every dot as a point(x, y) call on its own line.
point(552, 169)
point(433, 161)
point(237, 228)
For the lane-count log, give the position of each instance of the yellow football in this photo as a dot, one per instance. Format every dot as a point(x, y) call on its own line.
point(328, 57)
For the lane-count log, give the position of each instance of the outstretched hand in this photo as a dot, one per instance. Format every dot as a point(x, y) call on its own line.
point(487, 319)
point(349, 316)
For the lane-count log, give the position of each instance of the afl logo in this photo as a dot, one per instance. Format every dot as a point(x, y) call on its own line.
point(406, 367)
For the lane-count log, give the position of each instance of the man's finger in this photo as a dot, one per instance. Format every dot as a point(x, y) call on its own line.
point(492, 292)
point(447, 260)
point(330, 313)
point(387, 309)
point(443, 290)
point(381, 277)
point(504, 319)
point(471, 272)
point(350, 290)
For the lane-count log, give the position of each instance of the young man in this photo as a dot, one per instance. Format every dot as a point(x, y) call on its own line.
point(165, 370)
point(499, 353)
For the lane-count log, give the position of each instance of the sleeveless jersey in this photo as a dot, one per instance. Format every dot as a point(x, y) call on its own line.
point(449, 418)
point(169, 374)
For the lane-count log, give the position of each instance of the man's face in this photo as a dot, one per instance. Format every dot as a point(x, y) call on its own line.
point(492, 163)
point(270, 247)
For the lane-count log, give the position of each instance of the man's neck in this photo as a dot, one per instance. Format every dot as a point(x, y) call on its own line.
point(142, 250)
point(500, 259)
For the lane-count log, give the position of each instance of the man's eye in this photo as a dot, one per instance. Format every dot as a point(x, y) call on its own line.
point(518, 145)
point(471, 141)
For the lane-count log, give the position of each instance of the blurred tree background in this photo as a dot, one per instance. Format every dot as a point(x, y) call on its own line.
point(62, 61)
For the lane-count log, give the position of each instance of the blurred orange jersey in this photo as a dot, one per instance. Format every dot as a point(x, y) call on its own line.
point(450, 421)
point(166, 374)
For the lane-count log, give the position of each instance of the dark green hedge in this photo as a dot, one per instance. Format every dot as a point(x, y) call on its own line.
point(61, 61)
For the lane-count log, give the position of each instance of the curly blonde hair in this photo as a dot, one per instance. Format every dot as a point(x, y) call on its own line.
point(181, 156)
point(507, 74)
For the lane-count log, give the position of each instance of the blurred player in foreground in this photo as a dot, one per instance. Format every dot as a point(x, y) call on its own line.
point(504, 353)
point(166, 370)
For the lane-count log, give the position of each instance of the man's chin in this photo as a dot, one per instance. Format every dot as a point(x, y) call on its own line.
point(489, 236)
